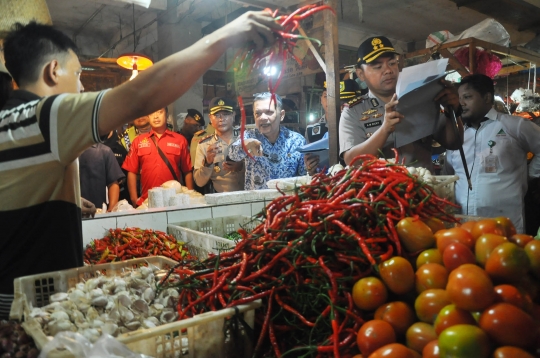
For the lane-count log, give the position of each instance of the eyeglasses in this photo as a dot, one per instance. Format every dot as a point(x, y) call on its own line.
point(223, 115)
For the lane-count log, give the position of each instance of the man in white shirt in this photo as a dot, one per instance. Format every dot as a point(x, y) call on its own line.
point(496, 146)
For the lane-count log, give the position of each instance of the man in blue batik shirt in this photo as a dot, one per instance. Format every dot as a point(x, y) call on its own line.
point(273, 146)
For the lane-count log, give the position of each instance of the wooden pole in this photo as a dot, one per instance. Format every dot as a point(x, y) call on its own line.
point(331, 58)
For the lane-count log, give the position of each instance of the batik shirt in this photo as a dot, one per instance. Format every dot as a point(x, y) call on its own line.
point(281, 159)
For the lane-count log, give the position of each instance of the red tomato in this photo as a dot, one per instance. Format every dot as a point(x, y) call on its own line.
point(429, 256)
point(435, 224)
point(511, 352)
point(450, 316)
point(419, 335)
point(431, 350)
point(464, 341)
point(507, 263)
point(468, 226)
point(394, 350)
point(369, 293)
point(431, 276)
point(414, 234)
point(398, 275)
point(485, 245)
point(520, 239)
point(510, 294)
point(532, 249)
point(470, 288)
point(373, 335)
point(399, 314)
point(507, 325)
point(487, 226)
point(429, 303)
point(455, 234)
point(506, 224)
point(457, 254)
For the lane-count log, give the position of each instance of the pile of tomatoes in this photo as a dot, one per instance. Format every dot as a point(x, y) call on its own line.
point(467, 291)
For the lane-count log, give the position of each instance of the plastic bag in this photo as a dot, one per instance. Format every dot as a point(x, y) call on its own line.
point(80, 347)
point(487, 30)
point(122, 205)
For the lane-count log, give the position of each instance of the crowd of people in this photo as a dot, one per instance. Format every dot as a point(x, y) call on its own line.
point(63, 152)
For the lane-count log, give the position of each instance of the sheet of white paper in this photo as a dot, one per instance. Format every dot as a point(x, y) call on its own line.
point(418, 87)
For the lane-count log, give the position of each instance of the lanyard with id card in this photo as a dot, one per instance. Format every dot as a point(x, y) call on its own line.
point(491, 160)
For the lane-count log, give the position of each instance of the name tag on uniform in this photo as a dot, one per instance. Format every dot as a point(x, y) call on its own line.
point(373, 124)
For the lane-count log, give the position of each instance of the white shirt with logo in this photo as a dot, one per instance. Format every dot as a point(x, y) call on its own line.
point(497, 192)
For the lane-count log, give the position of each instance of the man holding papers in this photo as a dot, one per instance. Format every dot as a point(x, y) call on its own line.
point(368, 122)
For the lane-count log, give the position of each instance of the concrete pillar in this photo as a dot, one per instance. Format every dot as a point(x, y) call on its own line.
point(175, 34)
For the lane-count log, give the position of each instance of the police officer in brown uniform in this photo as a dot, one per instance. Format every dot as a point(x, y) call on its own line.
point(211, 163)
point(367, 122)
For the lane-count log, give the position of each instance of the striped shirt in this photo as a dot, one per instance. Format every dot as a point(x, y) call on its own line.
point(40, 214)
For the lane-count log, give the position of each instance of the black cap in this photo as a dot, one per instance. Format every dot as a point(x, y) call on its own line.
point(196, 115)
point(347, 89)
point(372, 48)
point(220, 104)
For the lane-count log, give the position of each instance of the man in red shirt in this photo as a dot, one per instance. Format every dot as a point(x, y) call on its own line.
point(145, 159)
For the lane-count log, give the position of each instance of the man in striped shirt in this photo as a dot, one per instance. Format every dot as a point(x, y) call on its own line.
point(47, 124)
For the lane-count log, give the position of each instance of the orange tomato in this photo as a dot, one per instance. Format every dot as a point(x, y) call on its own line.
point(510, 294)
point(398, 275)
point(485, 245)
point(431, 350)
point(373, 335)
point(399, 314)
point(369, 293)
point(520, 239)
point(470, 288)
point(507, 263)
point(429, 256)
point(394, 350)
point(511, 352)
point(414, 234)
point(455, 234)
point(532, 249)
point(506, 224)
point(487, 226)
point(507, 325)
point(450, 316)
point(468, 226)
point(431, 276)
point(419, 335)
point(464, 340)
point(429, 303)
point(435, 224)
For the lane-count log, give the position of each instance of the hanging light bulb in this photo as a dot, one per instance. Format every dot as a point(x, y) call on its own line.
point(135, 62)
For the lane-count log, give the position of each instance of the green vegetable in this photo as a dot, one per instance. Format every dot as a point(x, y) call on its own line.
point(233, 236)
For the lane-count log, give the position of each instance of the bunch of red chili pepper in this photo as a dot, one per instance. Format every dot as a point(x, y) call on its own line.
point(277, 55)
point(307, 254)
point(131, 243)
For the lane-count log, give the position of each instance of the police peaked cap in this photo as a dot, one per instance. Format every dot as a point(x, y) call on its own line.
point(196, 115)
point(374, 47)
point(347, 89)
point(220, 104)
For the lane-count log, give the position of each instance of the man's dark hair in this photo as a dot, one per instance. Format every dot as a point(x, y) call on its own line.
point(267, 95)
point(480, 83)
point(28, 47)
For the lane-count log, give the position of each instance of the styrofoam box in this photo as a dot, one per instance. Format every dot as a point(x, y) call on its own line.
point(288, 184)
point(196, 337)
point(207, 236)
point(231, 197)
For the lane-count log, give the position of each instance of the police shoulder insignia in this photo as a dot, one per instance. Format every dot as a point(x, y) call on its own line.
point(374, 102)
point(204, 139)
point(355, 101)
point(201, 132)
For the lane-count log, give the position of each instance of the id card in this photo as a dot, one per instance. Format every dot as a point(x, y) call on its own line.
point(491, 163)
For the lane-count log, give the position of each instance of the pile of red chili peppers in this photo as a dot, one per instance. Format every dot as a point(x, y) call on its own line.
point(307, 254)
point(275, 56)
point(131, 243)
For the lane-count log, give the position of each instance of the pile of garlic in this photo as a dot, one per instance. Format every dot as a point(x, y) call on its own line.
point(423, 174)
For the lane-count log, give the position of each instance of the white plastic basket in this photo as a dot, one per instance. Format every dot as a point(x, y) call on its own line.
point(207, 236)
point(197, 337)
